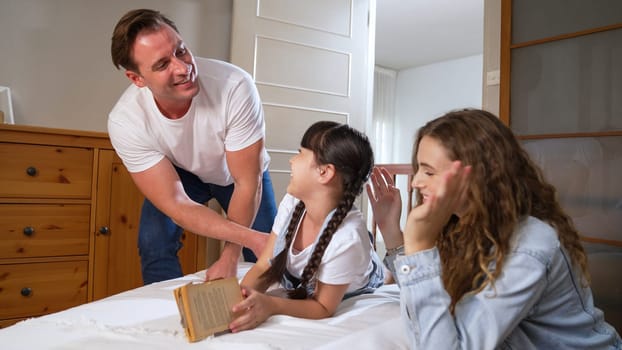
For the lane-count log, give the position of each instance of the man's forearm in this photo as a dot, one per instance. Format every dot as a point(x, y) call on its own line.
point(244, 203)
point(204, 221)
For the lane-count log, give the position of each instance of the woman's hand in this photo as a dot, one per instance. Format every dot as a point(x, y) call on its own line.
point(252, 311)
point(426, 221)
point(386, 204)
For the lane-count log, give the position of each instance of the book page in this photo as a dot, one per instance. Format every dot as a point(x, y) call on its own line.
point(214, 304)
point(208, 306)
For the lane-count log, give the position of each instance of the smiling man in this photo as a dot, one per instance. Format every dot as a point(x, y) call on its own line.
point(188, 129)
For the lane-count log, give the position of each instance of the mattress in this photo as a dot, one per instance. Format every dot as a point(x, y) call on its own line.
point(147, 318)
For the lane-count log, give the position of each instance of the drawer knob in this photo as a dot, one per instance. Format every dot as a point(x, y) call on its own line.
point(31, 171)
point(26, 291)
point(104, 230)
point(29, 230)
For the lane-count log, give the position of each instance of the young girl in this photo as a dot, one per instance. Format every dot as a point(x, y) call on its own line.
point(488, 259)
point(319, 250)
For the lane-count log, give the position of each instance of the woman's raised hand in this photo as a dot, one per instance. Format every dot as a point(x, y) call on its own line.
point(426, 221)
point(386, 204)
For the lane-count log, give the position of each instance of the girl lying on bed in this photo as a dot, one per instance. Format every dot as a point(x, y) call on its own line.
point(319, 250)
point(488, 259)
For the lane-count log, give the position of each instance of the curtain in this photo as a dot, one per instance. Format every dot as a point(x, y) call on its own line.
point(383, 118)
point(383, 126)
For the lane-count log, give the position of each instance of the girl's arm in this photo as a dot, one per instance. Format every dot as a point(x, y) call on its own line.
point(257, 307)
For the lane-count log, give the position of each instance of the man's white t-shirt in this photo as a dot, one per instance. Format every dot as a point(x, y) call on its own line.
point(226, 115)
point(347, 259)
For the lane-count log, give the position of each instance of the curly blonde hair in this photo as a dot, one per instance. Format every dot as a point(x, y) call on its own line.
point(506, 187)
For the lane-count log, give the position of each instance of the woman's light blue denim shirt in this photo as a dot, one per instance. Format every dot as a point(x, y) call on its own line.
point(538, 301)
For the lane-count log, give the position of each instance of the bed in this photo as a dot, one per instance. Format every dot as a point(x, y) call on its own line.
point(147, 318)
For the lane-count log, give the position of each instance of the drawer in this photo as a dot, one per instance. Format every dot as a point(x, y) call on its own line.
point(34, 171)
point(40, 288)
point(36, 230)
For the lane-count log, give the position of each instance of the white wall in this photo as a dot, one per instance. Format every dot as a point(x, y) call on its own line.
point(426, 92)
point(55, 54)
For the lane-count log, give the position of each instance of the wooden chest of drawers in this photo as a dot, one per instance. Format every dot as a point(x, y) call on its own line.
point(46, 199)
point(69, 215)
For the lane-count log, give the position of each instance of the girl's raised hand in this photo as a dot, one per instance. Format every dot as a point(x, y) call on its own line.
point(426, 221)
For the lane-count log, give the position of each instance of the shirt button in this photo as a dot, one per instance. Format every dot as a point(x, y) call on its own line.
point(404, 269)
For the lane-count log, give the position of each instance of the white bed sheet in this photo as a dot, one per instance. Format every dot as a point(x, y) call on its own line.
point(147, 318)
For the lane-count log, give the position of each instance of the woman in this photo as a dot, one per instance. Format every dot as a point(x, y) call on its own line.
point(488, 259)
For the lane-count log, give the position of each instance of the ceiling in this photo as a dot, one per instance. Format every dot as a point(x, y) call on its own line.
point(412, 33)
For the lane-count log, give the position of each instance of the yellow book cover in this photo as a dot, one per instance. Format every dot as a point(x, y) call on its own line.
point(205, 308)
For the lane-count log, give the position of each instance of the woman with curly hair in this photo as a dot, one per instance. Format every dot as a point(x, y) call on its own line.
point(319, 251)
point(488, 259)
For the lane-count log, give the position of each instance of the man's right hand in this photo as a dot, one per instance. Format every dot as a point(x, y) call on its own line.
point(227, 264)
point(222, 268)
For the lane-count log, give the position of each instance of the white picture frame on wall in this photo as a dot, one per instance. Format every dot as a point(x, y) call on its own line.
point(6, 107)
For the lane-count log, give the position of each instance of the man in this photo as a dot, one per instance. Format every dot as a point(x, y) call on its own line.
point(188, 130)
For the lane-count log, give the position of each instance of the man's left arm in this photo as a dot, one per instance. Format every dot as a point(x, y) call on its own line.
point(246, 168)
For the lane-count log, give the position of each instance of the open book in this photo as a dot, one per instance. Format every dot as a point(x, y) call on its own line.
point(205, 308)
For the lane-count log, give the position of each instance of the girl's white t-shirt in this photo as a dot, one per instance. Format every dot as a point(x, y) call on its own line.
point(347, 258)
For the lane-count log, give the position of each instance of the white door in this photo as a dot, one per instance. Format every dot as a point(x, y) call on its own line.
point(311, 60)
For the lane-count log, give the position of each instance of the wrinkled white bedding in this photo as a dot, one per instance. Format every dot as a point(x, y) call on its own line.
point(147, 318)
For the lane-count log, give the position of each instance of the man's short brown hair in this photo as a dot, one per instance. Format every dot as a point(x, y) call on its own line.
point(126, 31)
